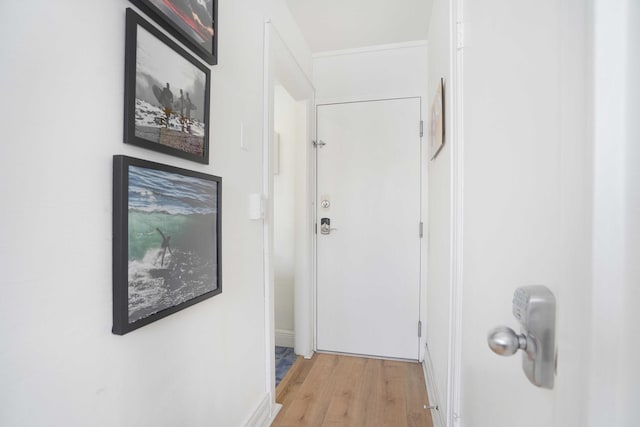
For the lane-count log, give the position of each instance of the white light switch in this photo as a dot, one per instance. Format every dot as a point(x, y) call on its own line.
point(256, 206)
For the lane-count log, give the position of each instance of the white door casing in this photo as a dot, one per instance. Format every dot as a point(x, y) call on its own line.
point(281, 67)
point(368, 267)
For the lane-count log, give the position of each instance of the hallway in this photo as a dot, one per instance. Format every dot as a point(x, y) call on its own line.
point(353, 391)
point(536, 183)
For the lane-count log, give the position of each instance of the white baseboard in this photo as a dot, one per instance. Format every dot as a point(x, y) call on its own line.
point(285, 338)
point(432, 390)
point(276, 410)
point(261, 416)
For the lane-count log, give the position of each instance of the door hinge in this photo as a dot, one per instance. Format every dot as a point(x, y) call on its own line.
point(319, 143)
point(460, 34)
point(315, 227)
point(421, 128)
point(419, 328)
point(421, 230)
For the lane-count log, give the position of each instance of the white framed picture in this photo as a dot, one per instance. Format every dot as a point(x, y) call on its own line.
point(437, 121)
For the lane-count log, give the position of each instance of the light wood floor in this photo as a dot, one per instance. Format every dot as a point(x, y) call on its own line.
point(331, 390)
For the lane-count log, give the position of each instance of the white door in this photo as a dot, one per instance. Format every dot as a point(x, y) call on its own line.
point(526, 217)
point(369, 263)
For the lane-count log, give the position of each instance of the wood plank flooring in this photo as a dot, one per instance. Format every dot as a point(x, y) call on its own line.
point(332, 390)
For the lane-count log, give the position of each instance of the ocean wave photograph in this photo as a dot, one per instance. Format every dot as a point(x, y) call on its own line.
point(172, 248)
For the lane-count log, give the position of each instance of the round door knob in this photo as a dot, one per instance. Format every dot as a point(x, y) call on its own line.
point(505, 342)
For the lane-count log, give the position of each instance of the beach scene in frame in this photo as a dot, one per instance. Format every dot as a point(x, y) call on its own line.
point(166, 240)
point(167, 94)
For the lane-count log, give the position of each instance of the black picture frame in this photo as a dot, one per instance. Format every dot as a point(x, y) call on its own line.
point(166, 102)
point(166, 240)
point(180, 18)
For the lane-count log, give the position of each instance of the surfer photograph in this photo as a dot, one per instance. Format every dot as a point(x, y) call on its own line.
point(172, 240)
point(170, 103)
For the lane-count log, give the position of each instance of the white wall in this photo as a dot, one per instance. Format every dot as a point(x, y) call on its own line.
point(60, 365)
point(439, 207)
point(391, 71)
point(527, 201)
point(284, 210)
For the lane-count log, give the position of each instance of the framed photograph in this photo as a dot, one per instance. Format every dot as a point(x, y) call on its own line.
point(193, 22)
point(166, 241)
point(437, 121)
point(166, 102)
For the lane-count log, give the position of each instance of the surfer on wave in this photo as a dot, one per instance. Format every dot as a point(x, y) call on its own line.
point(164, 246)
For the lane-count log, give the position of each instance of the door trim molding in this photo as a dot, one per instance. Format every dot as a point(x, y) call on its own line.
point(269, 300)
point(284, 67)
point(355, 100)
point(368, 49)
point(454, 374)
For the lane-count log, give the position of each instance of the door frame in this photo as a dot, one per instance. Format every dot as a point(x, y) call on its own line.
point(281, 67)
point(422, 306)
point(456, 286)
